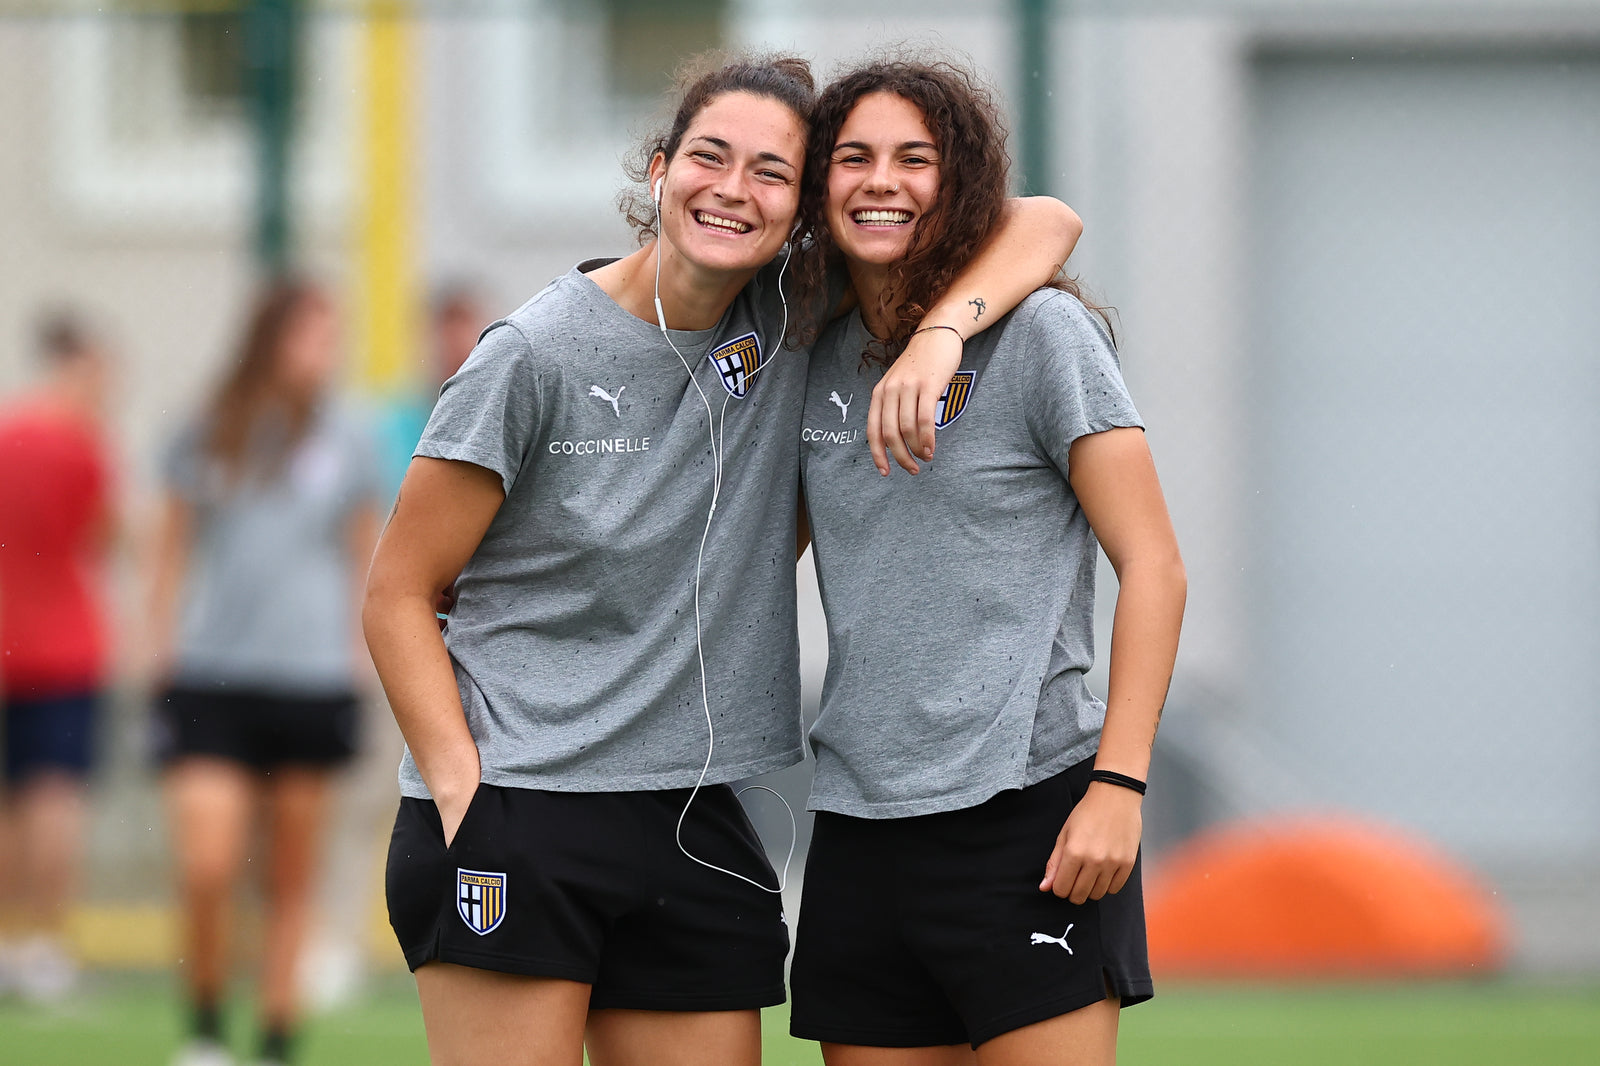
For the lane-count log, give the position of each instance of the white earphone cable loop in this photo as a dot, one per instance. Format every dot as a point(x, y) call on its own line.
point(717, 427)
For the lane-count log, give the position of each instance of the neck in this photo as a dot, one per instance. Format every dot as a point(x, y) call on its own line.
point(73, 392)
point(870, 280)
point(691, 296)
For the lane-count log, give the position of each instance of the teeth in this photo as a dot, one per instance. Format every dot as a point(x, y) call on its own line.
point(715, 222)
point(882, 217)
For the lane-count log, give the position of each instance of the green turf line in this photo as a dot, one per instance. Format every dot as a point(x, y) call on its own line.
point(137, 1022)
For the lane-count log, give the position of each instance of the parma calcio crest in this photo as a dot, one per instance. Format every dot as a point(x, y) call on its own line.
point(481, 899)
point(737, 362)
point(953, 400)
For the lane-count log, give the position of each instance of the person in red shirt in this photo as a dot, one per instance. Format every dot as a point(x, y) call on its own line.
point(55, 523)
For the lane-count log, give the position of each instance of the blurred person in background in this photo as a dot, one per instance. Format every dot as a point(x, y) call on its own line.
point(56, 522)
point(938, 927)
point(455, 318)
point(267, 524)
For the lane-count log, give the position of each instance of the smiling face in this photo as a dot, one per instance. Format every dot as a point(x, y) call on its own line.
point(883, 176)
point(730, 194)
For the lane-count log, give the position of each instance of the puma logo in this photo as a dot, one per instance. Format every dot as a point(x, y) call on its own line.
point(843, 405)
point(596, 390)
point(1045, 938)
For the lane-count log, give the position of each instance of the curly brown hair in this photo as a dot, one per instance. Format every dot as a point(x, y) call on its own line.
point(701, 80)
point(974, 175)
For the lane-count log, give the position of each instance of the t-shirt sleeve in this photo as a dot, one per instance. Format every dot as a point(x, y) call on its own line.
point(1075, 379)
point(488, 413)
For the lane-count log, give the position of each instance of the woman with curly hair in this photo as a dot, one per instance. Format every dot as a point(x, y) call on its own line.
point(972, 891)
point(611, 483)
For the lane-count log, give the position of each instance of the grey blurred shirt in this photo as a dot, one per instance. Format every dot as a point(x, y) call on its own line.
point(960, 602)
point(573, 633)
point(268, 602)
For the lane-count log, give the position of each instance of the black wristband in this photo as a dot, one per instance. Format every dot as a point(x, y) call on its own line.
point(1111, 777)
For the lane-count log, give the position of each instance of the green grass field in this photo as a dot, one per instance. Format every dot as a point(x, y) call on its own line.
point(132, 1022)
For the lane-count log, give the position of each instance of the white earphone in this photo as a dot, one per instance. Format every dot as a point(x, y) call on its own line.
point(718, 437)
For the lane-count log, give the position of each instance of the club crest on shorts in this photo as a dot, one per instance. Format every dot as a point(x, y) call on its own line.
point(953, 400)
point(481, 899)
point(737, 361)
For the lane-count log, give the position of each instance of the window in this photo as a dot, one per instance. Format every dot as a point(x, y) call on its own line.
point(152, 130)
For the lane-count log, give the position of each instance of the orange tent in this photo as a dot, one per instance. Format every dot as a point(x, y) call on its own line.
point(1318, 897)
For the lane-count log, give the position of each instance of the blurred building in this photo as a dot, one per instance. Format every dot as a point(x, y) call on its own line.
point(1353, 246)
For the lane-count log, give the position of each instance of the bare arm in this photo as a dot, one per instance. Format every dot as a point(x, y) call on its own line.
point(169, 560)
point(443, 510)
point(1116, 485)
point(1027, 251)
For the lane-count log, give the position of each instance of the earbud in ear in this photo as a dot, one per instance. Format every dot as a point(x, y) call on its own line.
point(658, 191)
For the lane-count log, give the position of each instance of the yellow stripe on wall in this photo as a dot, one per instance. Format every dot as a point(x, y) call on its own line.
point(389, 311)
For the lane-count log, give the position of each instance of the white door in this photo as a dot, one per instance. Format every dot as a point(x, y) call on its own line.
point(1425, 494)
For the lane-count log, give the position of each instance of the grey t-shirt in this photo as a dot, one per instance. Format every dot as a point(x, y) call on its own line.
point(960, 601)
point(268, 602)
point(573, 633)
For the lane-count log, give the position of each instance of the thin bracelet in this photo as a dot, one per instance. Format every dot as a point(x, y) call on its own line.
point(1111, 777)
point(952, 329)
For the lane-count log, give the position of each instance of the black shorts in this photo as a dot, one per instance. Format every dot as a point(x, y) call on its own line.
point(931, 930)
point(49, 733)
point(591, 887)
point(262, 730)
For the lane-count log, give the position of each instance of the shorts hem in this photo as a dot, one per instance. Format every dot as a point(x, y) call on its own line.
point(683, 1002)
point(20, 775)
point(801, 1029)
point(1133, 993)
point(522, 967)
point(167, 759)
point(1040, 1011)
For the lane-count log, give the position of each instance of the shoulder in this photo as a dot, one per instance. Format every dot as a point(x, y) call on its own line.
point(844, 335)
point(1056, 309)
point(557, 319)
point(1056, 325)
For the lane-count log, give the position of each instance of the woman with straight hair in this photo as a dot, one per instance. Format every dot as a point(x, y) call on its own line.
point(972, 889)
point(268, 521)
point(610, 482)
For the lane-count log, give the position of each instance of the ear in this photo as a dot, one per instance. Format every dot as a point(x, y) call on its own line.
point(657, 176)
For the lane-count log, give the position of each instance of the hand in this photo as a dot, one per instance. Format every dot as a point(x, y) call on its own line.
point(1096, 849)
point(445, 604)
point(453, 795)
point(900, 420)
point(453, 808)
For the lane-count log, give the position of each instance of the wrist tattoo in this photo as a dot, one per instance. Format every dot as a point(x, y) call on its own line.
point(981, 308)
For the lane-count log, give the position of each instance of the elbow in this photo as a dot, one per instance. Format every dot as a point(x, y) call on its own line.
point(1060, 220)
point(1176, 579)
point(1159, 573)
point(1071, 226)
point(380, 603)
